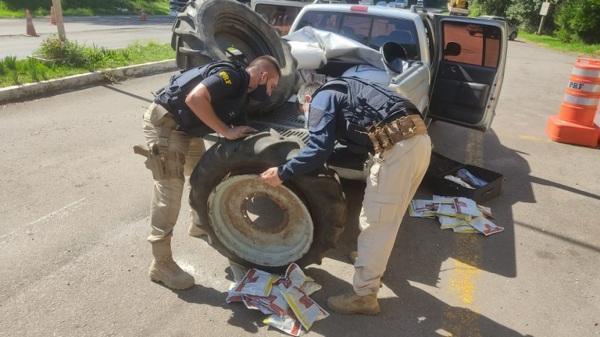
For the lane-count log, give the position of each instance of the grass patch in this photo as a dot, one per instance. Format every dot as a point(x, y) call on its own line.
point(8, 9)
point(6, 12)
point(71, 58)
point(555, 43)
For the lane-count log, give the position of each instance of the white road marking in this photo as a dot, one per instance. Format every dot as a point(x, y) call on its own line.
point(45, 217)
point(58, 211)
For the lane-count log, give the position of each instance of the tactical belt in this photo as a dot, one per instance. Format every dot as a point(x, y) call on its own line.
point(383, 137)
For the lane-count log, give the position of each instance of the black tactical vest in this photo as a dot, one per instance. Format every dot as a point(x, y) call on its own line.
point(172, 97)
point(368, 104)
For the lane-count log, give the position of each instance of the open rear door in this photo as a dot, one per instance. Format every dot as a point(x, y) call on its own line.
point(470, 59)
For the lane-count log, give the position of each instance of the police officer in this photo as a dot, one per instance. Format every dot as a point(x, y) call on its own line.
point(367, 118)
point(196, 102)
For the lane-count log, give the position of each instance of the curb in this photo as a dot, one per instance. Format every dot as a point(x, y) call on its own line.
point(52, 87)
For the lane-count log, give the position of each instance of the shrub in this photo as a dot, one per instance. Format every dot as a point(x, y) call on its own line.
point(527, 14)
point(489, 7)
point(10, 65)
point(36, 69)
point(90, 7)
point(71, 53)
point(579, 20)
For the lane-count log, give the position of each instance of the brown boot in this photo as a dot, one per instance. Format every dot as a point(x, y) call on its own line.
point(351, 303)
point(164, 269)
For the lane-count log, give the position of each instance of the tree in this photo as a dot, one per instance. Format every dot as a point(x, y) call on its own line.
point(488, 7)
point(579, 20)
point(526, 13)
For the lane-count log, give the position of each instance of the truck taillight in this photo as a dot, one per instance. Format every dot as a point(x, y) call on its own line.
point(359, 8)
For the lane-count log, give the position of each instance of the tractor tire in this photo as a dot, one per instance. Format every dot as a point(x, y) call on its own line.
point(207, 28)
point(312, 207)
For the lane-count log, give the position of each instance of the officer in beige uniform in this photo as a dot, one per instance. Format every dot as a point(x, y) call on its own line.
point(367, 118)
point(196, 102)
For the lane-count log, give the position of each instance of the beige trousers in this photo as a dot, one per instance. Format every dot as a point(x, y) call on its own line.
point(393, 182)
point(182, 152)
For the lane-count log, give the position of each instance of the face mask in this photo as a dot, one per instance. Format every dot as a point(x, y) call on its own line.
point(260, 93)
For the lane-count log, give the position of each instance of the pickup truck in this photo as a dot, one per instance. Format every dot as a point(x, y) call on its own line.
point(450, 67)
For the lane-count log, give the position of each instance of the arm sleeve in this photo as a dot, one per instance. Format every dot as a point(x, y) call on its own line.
point(225, 83)
point(322, 138)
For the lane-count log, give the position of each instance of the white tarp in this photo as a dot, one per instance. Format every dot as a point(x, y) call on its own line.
point(306, 41)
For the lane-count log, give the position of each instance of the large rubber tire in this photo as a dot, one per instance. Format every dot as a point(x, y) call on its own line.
point(320, 192)
point(206, 28)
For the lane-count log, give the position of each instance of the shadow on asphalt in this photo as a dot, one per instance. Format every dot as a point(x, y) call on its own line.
point(127, 93)
point(542, 181)
point(240, 316)
point(421, 249)
point(413, 312)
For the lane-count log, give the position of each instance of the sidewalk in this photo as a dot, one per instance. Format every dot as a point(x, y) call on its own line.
point(103, 31)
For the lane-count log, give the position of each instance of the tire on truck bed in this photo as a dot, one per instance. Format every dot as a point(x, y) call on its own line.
point(312, 208)
point(206, 28)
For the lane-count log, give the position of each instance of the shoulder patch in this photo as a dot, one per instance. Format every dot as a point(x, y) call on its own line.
point(225, 76)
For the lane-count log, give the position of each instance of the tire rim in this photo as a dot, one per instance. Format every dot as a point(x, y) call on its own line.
point(268, 226)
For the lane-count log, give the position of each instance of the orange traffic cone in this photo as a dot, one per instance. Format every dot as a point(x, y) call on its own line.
point(574, 123)
point(52, 16)
point(143, 16)
point(30, 28)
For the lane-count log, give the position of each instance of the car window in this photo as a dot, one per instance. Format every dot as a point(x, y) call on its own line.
point(370, 30)
point(479, 45)
point(321, 20)
point(280, 17)
point(395, 30)
point(356, 27)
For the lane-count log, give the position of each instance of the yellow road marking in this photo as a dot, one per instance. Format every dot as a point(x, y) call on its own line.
point(534, 138)
point(465, 271)
point(462, 283)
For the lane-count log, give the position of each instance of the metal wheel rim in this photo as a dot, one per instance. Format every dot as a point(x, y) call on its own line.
point(277, 245)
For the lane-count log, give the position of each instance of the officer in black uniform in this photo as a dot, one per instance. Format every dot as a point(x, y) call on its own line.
point(196, 102)
point(367, 118)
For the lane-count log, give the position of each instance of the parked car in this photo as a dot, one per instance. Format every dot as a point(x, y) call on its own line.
point(513, 30)
point(460, 88)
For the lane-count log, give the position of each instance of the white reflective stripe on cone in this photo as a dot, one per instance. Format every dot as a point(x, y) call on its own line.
point(585, 87)
point(581, 100)
point(586, 72)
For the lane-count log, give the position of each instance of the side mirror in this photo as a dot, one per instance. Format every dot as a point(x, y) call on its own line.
point(452, 49)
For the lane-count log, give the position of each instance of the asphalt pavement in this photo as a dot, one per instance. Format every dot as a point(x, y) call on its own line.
point(74, 219)
point(102, 31)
